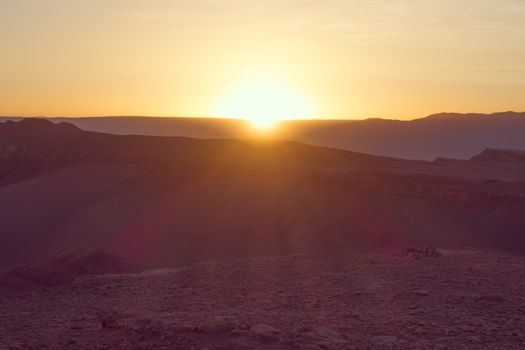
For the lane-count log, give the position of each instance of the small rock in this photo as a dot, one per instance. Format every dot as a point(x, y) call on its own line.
point(422, 293)
point(113, 319)
point(219, 324)
point(180, 327)
point(332, 344)
point(417, 253)
point(491, 299)
point(325, 338)
point(131, 324)
point(325, 332)
point(310, 346)
point(265, 332)
point(384, 340)
point(158, 326)
point(303, 329)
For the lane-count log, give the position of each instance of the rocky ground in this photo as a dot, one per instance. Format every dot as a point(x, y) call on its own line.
point(460, 300)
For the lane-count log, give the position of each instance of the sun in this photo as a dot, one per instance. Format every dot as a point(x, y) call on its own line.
point(264, 103)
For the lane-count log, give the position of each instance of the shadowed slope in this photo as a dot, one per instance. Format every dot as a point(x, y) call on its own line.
point(169, 201)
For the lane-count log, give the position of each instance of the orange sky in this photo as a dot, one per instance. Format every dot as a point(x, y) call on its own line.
point(348, 58)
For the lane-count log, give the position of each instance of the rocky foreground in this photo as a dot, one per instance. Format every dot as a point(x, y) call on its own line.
point(460, 300)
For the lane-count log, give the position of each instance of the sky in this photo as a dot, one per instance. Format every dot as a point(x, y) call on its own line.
point(399, 59)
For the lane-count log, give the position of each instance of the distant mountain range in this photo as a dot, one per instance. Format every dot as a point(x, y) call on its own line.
point(167, 201)
point(448, 135)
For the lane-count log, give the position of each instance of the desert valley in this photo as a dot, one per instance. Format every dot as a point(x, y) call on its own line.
point(135, 242)
point(266, 175)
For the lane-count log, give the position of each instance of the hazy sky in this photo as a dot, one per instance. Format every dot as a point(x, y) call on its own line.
point(350, 58)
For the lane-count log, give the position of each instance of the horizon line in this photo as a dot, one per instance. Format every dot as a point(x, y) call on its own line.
point(328, 119)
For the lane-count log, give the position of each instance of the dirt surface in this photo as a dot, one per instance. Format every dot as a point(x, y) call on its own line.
point(460, 300)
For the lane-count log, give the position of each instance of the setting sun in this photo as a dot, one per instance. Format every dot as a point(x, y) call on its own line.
point(264, 103)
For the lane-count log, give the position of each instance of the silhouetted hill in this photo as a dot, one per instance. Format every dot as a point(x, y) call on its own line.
point(500, 156)
point(167, 201)
point(66, 266)
point(443, 135)
point(449, 135)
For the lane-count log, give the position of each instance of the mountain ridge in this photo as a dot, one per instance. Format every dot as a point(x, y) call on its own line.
point(447, 135)
point(430, 116)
